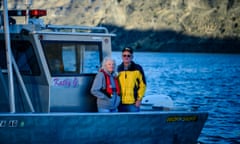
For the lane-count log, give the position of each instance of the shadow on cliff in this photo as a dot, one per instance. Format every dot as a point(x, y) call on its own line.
point(170, 41)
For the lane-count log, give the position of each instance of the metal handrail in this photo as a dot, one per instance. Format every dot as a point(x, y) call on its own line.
point(78, 28)
point(29, 102)
point(9, 58)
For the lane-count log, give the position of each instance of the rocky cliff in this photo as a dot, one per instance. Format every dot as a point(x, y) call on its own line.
point(154, 25)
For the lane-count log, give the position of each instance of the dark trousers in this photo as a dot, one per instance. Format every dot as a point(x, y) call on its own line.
point(128, 108)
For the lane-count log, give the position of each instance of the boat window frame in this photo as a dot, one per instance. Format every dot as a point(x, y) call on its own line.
point(79, 43)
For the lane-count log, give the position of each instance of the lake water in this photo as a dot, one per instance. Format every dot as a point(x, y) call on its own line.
point(211, 81)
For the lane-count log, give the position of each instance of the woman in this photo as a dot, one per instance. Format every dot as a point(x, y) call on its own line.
point(106, 87)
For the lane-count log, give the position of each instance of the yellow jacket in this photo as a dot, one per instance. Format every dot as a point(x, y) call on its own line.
point(132, 83)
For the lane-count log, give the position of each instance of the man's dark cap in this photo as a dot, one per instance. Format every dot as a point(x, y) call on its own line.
point(129, 49)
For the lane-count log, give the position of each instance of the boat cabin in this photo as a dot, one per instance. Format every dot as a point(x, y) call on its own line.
point(53, 66)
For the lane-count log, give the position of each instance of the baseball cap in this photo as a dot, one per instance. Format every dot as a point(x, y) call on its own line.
point(129, 49)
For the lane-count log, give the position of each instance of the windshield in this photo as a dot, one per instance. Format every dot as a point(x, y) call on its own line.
point(24, 56)
point(72, 58)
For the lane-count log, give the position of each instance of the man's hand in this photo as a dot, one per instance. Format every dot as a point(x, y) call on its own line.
point(138, 103)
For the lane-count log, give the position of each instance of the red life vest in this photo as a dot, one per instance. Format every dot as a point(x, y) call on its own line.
point(109, 89)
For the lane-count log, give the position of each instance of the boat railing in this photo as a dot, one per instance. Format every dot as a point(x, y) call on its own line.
point(75, 29)
point(40, 26)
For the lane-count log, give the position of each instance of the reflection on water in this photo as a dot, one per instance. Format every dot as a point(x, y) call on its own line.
point(211, 81)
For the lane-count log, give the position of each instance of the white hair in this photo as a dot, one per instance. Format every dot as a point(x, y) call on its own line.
point(108, 58)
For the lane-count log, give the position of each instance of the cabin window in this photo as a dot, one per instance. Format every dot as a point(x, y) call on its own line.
point(71, 58)
point(24, 56)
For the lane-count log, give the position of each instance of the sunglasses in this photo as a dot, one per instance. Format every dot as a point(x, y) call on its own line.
point(126, 55)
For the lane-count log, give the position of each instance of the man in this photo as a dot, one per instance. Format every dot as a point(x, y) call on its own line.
point(132, 82)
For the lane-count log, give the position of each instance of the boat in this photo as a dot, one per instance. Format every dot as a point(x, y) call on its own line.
point(46, 72)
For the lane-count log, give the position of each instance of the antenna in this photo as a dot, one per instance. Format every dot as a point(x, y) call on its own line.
point(28, 5)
